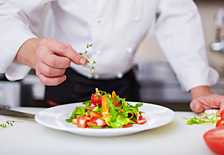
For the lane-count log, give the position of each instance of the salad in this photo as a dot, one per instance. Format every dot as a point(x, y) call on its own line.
point(106, 110)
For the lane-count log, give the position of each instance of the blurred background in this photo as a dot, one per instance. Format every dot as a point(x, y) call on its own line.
point(157, 81)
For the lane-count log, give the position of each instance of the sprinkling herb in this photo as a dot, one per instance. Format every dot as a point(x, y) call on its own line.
point(205, 118)
point(88, 65)
point(8, 123)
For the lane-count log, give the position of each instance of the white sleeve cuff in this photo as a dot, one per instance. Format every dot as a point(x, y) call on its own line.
point(9, 46)
point(16, 71)
point(198, 76)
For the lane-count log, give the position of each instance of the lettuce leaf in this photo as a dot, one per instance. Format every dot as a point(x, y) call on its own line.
point(79, 111)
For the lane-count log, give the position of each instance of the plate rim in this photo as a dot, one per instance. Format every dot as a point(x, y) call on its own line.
point(103, 132)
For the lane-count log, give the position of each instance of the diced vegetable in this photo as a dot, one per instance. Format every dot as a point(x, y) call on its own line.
point(97, 121)
point(105, 108)
point(82, 121)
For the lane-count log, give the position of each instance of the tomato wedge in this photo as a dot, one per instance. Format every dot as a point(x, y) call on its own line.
point(97, 121)
point(214, 139)
point(82, 121)
point(127, 125)
point(141, 120)
point(220, 122)
point(222, 114)
point(96, 99)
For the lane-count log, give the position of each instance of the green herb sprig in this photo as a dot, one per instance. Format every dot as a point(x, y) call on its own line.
point(91, 67)
point(8, 123)
point(204, 118)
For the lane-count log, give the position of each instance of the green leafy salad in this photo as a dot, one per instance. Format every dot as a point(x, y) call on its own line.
point(106, 110)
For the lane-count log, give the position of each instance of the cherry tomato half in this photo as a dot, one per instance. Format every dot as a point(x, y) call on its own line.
point(96, 99)
point(214, 139)
point(141, 120)
point(222, 114)
point(220, 122)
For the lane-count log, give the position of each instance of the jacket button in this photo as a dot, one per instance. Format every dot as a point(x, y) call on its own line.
point(136, 18)
point(96, 76)
point(119, 75)
point(129, 50)
point(98, 20)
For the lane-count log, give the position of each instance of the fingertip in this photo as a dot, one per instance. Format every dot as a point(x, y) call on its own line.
point(64, 77)
point(83, 61)
point(52, 81)
point(61, 79)
point(221, 106)
point(197, 108)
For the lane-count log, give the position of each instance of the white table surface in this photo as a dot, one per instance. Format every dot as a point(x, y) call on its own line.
point(31, 138)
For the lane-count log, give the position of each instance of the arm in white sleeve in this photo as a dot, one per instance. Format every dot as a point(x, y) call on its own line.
point(19, 21)
point(180, 35)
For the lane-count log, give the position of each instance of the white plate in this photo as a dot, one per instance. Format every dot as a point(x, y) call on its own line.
point(55, 117)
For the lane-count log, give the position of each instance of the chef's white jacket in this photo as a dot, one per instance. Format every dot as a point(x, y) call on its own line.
point(115, 28)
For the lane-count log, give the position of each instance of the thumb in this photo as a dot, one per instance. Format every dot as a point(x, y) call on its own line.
point(221, 107)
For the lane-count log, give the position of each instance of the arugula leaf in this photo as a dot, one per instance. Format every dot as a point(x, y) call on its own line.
point(118, 117)
point(101, 92)
point(138, 105)
point(87, 103)
point(112, 111)
point(97, 108)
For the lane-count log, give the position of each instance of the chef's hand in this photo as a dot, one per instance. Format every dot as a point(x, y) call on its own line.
point(203, 99)
point(49, 58)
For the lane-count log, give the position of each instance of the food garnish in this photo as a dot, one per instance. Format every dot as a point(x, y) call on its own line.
point(204, 118)
point(88, 65)
point(106, 110)
point(8, 123)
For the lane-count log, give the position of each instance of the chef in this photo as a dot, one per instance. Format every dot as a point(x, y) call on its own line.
point(115, 29)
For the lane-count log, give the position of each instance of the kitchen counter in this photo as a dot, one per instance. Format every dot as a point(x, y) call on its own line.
point(31, 138)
